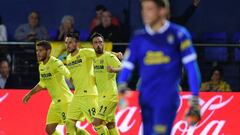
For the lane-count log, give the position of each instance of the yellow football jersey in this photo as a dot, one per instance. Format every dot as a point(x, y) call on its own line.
point(81, 69)
point(52, 77)
point(106, 82)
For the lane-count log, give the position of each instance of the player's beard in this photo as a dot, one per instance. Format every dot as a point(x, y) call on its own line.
point(99, 50)
point(72, 50)
point(43, 58)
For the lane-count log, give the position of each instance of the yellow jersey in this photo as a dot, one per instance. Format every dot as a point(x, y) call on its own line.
point(81, 69)
point(52, 77)
point(106, 82)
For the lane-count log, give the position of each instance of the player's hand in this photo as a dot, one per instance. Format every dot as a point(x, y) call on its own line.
point(193, 115)
point(122, 88)
point(26, 98)
point(119, 55)
point(110, 69)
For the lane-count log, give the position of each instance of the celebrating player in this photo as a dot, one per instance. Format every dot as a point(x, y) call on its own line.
point(159, 51)
point(52, 73)
point(84, 103)
point(106, 65)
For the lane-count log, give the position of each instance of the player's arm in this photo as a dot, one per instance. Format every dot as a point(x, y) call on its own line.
point(189, 60)
point(119, 55)
point(128, 64)
point(33, 91)
point(88, 52)
point(62, 69)
point(114, 65)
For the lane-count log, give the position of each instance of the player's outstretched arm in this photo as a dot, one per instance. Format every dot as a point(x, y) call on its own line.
point(119, 55)
point(193, 115)
point(33, 91)
point(111, 69)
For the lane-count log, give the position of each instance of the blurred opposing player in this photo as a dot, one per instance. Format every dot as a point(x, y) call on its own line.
point(52, 73)
point(106, 65)
point(160, 50)
point(84, 103)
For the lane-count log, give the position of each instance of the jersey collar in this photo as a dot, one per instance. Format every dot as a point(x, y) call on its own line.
point(160, 31)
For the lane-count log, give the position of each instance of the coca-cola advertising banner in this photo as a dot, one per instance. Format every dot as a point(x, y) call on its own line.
point(220, 115)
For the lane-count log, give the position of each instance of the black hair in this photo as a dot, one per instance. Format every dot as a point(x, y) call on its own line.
point(159, 3)
point(45, 44)
point(4, 60)
point(100, 7)
point(96, 35)
point(74, 35)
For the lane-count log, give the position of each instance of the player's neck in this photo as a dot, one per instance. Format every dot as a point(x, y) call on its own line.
point(99, 54)
point(157, 25)
point(75, 52)
point(46, 60)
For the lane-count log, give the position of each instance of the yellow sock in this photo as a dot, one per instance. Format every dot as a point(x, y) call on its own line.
point(70, 127)
point(101, 130)
point(56, 133)
point(82, 132)
point(113, 131)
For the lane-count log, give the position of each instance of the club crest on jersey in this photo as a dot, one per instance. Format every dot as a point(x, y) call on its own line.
point(170, 39)
point(156, 58)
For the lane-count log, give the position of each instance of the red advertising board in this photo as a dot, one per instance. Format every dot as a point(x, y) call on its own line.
point(220, 115)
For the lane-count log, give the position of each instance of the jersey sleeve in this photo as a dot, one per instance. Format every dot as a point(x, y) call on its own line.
point(59, 66)
point(129, 61)
point(189, 60)
point(113, 60)
point(88, 52)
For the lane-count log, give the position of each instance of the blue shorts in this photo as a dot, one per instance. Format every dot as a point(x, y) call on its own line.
point(158, 115)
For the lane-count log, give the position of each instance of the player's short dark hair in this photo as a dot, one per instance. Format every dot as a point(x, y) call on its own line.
point(100, 7)
point(159, 3)
point(4, 60)
point(45, 44)
point(74, 35)
point(96, 35)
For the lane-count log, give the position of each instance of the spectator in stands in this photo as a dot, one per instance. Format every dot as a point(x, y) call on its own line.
point(216, 83)
point(3, 31)
point(32, 30)
point(97, 20)
point(109, 31)
point(67, 26)
point(182, 20)
point(7, 80)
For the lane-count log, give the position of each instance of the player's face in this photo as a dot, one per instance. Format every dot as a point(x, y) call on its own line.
point(71, 44)
point(98, 45)
point(149, 12)
point(42, 53)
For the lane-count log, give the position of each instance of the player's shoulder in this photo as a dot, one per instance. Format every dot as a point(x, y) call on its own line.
point(178, 30)
point(109, 54)
point(54, 60)
point(86, 49)
point(140, 33)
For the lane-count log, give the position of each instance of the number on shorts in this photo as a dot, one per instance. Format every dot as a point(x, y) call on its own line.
point(63, 115)
point(101, 108)
point(92, 111)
